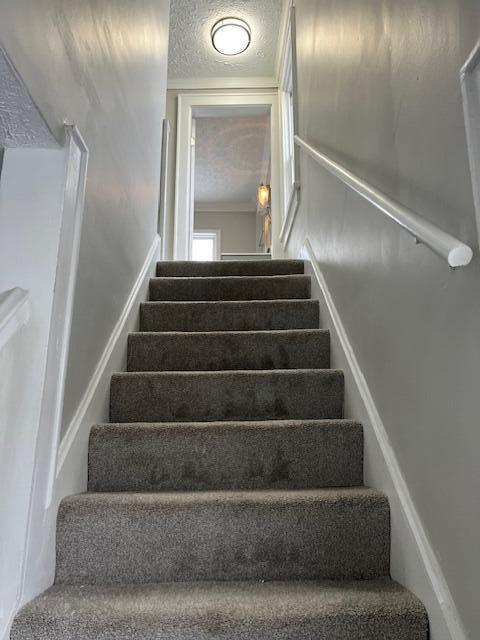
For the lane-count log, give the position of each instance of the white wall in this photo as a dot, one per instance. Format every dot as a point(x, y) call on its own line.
point(31, 182)
point(103, 67)
point(378, 89)
point(239, 229)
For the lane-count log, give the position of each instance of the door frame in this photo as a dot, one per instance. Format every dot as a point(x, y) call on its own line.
point(187, 102)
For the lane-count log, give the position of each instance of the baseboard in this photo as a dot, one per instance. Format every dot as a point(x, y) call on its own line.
point(94, 404)
point(414, 562)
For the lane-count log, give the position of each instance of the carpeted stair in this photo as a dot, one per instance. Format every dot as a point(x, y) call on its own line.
point(225, 498)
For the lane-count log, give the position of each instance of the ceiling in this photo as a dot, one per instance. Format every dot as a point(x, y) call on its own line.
point(231, 159)
point(191, 54)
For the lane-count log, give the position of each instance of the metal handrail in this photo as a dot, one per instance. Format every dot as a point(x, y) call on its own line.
point(457, 253)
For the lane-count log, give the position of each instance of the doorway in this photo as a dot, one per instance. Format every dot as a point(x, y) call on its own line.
point(232, 158)
point(227, 146)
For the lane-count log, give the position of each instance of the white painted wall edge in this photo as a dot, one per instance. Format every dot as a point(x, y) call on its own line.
point(282, 39)
point(63, 299)
point(117, 342)
point(291, 213)
point(470, 86)
point(401, 495)
point(14, 313)
point(162, 205)
point(72, 206)
point(252, 82)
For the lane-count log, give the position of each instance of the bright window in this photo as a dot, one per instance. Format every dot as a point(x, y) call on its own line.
point(206, 245)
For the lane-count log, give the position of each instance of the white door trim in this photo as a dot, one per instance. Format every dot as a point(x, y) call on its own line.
point(186, 105)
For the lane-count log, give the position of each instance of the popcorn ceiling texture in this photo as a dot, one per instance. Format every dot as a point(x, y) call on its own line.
point(229, 162)
point(21, 124)
point(191, 53)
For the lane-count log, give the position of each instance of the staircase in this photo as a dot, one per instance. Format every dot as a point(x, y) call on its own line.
point(225, 498)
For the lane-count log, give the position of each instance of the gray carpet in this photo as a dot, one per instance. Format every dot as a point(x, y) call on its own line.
point(204, 456)
point(225, 350)
point(240, 315)
point(105, 538)
point(231, 288)
point(190, 396)
point(366, 610)
point(225, 500)
point(192, 269)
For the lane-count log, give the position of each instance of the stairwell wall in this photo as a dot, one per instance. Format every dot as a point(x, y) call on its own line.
point(379, 90)
point(103, 67)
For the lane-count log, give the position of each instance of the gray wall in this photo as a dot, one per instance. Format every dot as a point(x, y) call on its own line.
point(378, 89)
point(101, 65)
point(239, 230)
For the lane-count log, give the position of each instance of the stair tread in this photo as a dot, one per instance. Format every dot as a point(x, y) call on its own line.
point(307, 610)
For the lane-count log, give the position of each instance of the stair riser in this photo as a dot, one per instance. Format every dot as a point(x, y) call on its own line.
point(227, 351)
point(241, 288)
point(230, 268)
point(200, 457)
point(229, 316)
point(245, 395)
point(165, 538)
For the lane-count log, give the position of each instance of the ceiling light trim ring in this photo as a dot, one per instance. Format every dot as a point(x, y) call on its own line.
point(231, 22)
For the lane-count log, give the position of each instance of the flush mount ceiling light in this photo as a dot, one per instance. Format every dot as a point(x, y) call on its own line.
point(231, 36)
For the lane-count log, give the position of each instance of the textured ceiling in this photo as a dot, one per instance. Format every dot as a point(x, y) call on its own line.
point(21, 124)
point(231, 159)
point(191, 54)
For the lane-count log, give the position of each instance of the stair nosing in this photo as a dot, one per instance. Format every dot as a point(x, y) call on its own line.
point(280, 332)
point(293, 276)
point(230, 372)
point(244, 424)
point(199, 498)
point(268, 301)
